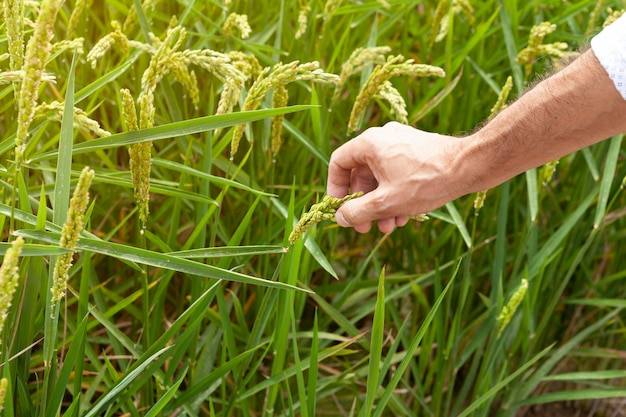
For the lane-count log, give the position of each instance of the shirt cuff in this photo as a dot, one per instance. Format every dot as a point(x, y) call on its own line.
point(609, 46)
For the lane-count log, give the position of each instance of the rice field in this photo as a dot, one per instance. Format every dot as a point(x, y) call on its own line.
point(156, 157)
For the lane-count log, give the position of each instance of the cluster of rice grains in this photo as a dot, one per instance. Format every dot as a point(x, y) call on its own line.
point(326, 210)
point(243, 80)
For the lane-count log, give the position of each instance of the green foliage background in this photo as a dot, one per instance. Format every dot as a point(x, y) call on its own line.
point(175, 321)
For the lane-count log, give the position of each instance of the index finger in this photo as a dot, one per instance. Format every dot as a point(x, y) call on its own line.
point(342, 161)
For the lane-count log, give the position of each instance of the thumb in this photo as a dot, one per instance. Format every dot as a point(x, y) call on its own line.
point(361, 210)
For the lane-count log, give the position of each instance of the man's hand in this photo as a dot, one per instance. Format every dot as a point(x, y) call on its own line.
point(402, 171)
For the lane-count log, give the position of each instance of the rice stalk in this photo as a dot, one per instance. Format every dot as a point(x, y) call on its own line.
point(395, 66)
point(70, 233)
point(279, 75)
point(37, 52)
point(360, 59)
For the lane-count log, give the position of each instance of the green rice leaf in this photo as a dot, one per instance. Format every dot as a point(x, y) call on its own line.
point(175, 129)
point(157, 260)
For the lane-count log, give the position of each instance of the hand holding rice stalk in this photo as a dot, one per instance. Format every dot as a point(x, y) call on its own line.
point(325, 210)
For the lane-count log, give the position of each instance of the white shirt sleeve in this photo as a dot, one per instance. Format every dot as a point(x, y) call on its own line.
point(609, 46)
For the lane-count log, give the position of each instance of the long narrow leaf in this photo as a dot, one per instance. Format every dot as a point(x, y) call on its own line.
point(170, 130)
point(158, 260)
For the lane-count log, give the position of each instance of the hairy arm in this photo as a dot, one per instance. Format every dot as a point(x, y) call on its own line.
point(572, 109)
point(405, 171)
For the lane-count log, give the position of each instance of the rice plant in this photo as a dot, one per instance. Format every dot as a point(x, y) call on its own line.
point(156, 157)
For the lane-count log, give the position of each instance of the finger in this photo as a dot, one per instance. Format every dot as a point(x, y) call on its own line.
point(362, 180)
point(372, 206)
point(387, 225)
point(401, 221)
point(343, 160)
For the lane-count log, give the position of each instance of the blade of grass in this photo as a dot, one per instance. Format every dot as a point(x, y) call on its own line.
point(376, 347)
point(158, 260)
point(503, 383)
point(575, 395)
point(608, 175)
point(410, 352)
point(115, 391)
point(170, 130)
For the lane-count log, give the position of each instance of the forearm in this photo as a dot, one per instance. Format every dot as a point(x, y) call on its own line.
point(572, 109)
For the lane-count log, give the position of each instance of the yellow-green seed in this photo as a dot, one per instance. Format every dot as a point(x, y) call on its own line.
point(3, 392)
point(509, 309)
point(238, 22)
point(37, 52)
point(54, 111)
point(394, 66)
point(70, 233)
point(360, 59)
point(279, 75)
point(324, 210)
point(280, 98)
point(9, 278)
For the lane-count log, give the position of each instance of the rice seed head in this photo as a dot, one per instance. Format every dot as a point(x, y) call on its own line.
point(77, 13)
point(357, 62)
point(115, 37)
point(131, 19)
point(280, 99)
point(303, 20)
point(14, 18)
point(140, 166)
point(129, 110)
point(279, 75)
point(237, 23)
point(395, 66)
point(69, 45)
point(36, 55)
point(331, 8)
point(324, 210)
point(511, 307)
point(536, 47)
point(140, 159)
point(594, 16)
point(479, 201)
point(500, 103)
point(3, 392)
point(249, 67)
point(547, 172)
point(70, 233)
point(54, 111)
point(7, 77)
point(9, 278)
point(613, 16)
point(458, 7)
point(396, 102)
